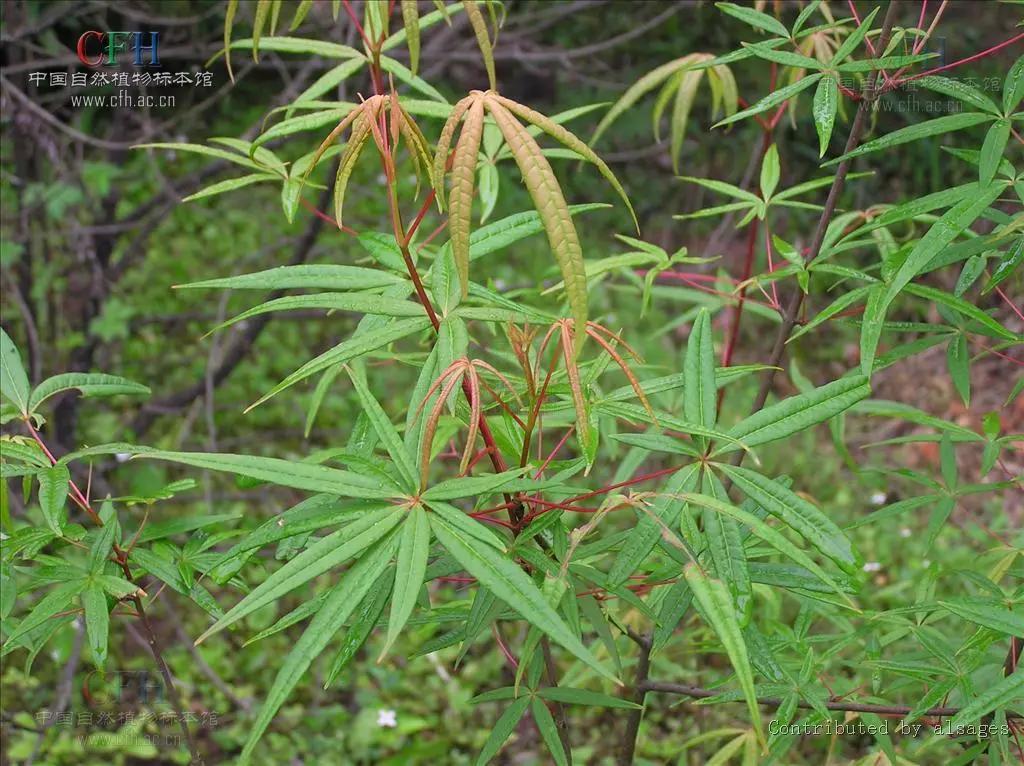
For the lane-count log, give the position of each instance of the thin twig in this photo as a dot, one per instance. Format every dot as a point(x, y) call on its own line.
point(643, 667)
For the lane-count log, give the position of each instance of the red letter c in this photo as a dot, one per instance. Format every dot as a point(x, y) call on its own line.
point(97, 60)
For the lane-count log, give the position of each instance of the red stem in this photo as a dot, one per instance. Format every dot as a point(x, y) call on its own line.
point(975, 57)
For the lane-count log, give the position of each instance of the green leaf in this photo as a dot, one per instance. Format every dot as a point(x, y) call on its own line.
point(444, 283)
point(354, 302)
point(786, 58)
point(502, 729)
point(324, 277)
point(1007, 691)
point(109, 534)
point(1007, 265)
point(989, 615)
point(888, 62)
point(342, 600)
point(572, 696)
point(724, 188)
point(1013, 86)
point(853, 40)
point(57, 600)
point(958, 360)
point(754, 18)
point(548, 730)
point(871, 327)
point(940, 236)
point(674, 606)
point(208, 151)
point(797, 513)
point(773, 99)
point(301, 45)
point(470, 486)
point(805, 14)
point(992, 150)
point(353, 348)
point(547, 195)
point(385, 429)
point(645, 534)
point(770, 172)
point(699, 390)
point(285, 473)
point(97, 622)
point(960, 90)
point(231, 184)
point(762, 530)
point(13, 380)
point(826, 105)
point(725, 545)
point(409, 571)
point(798, 413)
point(362, 626)
point(87, 383)
point(53, 494)
point(509, 583)
point(916, 132)
point(411, 23)
point(717, 608)
point(323, 555)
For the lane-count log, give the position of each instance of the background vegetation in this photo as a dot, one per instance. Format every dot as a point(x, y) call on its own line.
point(94, 235)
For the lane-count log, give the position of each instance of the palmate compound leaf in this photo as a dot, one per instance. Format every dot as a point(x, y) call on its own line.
point(503, 577)
point(340, 603)
point(538, 177)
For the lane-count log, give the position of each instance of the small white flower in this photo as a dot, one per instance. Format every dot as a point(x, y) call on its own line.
point(878, 498)
point(906, 532)
point(122, 457)
point(387, 718)
point(872, 566)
